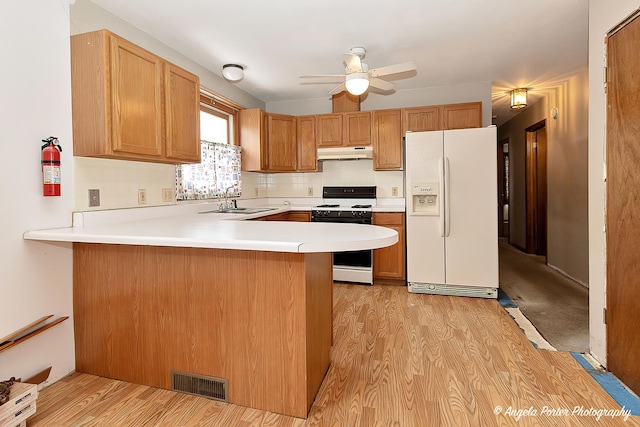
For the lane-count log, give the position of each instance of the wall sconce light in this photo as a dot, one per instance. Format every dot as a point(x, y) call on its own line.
point(519, 98)
point(357, 83)
point(232, 72)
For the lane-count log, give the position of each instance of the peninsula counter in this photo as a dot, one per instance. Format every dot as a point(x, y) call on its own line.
point(246, 302)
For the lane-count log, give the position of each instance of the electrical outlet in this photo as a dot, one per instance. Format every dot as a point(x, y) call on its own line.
point(94, 198)
point(394, 191)
point(142, 196)
point(255, 191)
point(309, 191)
point(167, 195)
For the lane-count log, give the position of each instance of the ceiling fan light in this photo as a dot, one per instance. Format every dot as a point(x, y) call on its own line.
point(518, 98)
point(357, 83)
point(232, 72)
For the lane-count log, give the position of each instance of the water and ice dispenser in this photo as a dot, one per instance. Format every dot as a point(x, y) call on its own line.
point(425, 199)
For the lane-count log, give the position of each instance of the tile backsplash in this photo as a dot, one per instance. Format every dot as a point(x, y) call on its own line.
point(119, 181)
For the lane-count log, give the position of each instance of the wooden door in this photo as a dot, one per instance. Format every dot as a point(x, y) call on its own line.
point(182, 114)
point(357, 129)
point(387, 140)
point(282, 142)
point(623, 203)
point(306, 142)
point(329, 130)
point(536, 187)
point(420, 119)
point(136, 99)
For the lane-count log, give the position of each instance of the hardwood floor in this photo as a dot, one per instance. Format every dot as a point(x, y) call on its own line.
point(399, 359)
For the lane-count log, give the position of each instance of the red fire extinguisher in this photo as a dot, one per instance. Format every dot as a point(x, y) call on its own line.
point(51, 166)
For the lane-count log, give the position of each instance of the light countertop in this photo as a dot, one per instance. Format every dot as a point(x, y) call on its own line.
point(221, 231)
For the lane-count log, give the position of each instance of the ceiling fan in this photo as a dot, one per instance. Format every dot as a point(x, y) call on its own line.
point(358, 77)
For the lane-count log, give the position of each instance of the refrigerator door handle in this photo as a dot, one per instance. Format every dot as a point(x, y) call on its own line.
point(447, 210)
point(441, 192)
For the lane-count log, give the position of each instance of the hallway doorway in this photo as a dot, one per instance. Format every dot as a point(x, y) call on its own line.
point(536, 189)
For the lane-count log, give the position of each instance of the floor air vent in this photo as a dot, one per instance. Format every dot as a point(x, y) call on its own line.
point(200, 385)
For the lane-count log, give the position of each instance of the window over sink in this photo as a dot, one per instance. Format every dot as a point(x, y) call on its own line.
point(218, 174)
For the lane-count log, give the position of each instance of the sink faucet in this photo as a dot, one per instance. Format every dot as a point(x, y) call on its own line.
point(226, 195)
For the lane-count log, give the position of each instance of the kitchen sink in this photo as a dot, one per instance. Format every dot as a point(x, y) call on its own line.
point(240, 210)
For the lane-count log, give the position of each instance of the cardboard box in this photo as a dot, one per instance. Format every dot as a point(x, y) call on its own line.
point(21, 405)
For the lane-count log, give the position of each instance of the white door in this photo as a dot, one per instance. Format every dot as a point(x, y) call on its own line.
point(425, 244)
point(472, 244)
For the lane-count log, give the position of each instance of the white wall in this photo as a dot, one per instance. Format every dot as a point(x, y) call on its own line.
point(36, 103)
point(603, 16)
point(567, 179)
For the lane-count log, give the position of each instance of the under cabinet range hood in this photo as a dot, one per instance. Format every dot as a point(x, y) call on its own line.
point(345, 153)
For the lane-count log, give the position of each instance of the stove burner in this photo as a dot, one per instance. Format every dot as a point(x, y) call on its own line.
point(361, 206)
point(327, 206)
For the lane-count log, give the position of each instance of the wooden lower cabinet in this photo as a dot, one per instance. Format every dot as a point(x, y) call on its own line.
point(296, 216)
point(389, 264)
point(262, 320)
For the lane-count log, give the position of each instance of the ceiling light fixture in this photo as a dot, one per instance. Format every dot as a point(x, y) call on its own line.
point(357, 83)
point(233, 72)
point(518, 98)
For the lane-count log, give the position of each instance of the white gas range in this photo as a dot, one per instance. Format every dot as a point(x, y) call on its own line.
point(351, 205)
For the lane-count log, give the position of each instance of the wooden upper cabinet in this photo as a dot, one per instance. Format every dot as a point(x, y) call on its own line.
point(131, 104)
point(343, 129)
point(306, 139)
point(268, 141)
point(136, 99)
point(442, 117)
point(329, 130)
point(462, 116)
point(356, 129)
point(281, 137)
point(182, 111)
point(252, 131)
point(420, 119)
point(387, 140)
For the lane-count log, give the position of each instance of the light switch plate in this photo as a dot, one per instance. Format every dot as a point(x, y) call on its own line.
point(167, 195)
point(142, 196)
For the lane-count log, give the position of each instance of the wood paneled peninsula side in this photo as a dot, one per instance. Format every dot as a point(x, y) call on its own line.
point(245, 301)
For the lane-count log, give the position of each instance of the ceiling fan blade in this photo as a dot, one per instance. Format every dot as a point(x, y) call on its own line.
point(393, 69)
point(308, 76)
point(381, 84)
point(353, 62)
point(340, 88)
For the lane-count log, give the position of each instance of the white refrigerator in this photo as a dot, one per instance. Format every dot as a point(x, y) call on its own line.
point(452, 212)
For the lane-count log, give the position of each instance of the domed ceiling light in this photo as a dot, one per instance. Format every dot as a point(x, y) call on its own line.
point(232, 72)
